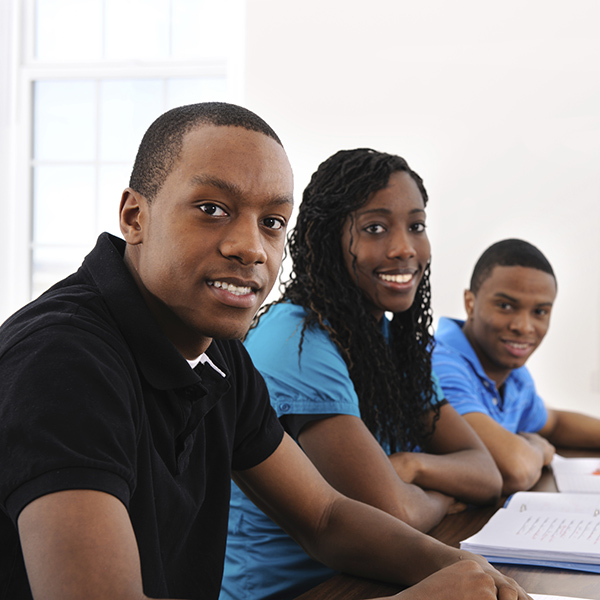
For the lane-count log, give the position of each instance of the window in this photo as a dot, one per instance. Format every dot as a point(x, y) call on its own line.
point(93, 75)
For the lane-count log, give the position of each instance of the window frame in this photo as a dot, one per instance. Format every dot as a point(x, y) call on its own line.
point(19, 70)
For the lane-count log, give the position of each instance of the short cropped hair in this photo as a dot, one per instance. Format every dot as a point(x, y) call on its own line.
point(508, 253)
point(161, 145)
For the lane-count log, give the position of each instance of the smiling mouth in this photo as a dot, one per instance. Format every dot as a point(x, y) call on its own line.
point(518, 345)
point(236, 290)
point(399, 278)
point(519, 350)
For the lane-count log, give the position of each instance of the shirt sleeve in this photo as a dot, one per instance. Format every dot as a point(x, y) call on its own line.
point(67, 418)
point(313, 381)
point(293, 424)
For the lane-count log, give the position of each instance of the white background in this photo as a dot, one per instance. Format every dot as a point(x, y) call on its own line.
point(495, 104)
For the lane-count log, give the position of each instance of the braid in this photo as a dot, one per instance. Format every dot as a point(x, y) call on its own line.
point(392, 380)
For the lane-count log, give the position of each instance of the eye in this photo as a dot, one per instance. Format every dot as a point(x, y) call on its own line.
point(542, 312)
point(212, 210)
point(274, 223)
point(504, 306)
point(418, 227)
point(374, 228)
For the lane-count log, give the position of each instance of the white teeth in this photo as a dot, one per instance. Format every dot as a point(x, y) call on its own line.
point(396, 278)
point(519, 345)
point(234, 289)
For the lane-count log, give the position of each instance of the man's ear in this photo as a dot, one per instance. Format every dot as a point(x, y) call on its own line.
point(469, 303)
point(132, 216)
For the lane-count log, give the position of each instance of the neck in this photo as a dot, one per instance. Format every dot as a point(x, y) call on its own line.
point(177, 331)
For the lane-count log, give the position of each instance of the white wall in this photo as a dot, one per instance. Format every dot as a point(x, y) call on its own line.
point(496, 105)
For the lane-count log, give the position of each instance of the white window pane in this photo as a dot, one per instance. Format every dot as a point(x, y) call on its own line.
point(111, 183)
point(127, 108)
point(201, 28)
point(137, 29)
point(64, 205)
point(64, 120)
point(51, 264)
point(68, 30)
point(191, 91)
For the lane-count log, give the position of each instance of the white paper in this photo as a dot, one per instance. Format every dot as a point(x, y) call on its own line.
point(580, 475)
point(588, 504)
point(545, 597)
point(539, 535)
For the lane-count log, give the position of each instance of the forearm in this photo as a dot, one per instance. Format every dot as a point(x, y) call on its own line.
point(519, 457)
point(524, 467)
point(353, 462)
point(574, 430)
point(469, 475)
point(396, 552)
point(421, 509)
point(363, 544)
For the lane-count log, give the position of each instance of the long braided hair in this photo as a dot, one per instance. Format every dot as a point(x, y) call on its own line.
point(392, 380)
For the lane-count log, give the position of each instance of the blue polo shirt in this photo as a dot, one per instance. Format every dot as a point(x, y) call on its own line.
point(469, 389)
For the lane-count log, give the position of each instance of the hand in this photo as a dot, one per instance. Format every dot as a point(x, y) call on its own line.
point(464, 580)
point(508, 588)
point(542, 444)
point(405, 465)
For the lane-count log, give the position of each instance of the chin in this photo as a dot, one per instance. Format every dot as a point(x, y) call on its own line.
point(398, 308)
point(228, 331)
point(512, 364)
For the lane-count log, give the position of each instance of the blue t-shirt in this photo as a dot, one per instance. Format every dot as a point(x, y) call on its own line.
point(262, 561)
point(469, 389)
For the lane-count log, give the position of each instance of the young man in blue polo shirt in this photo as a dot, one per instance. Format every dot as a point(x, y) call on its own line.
point(481, 364)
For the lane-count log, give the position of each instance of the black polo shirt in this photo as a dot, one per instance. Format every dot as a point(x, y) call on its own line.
point(94, 396)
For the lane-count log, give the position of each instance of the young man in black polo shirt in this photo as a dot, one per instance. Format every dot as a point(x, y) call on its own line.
point(126, 399)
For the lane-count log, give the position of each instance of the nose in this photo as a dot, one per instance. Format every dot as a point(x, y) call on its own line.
point(243, 242)
point(522, 322)
point(401, 246)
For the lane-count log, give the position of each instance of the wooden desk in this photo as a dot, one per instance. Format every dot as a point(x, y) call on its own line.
point(455, 528)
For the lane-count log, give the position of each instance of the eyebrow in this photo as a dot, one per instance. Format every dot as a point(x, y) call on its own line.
point(235, 190)
point(516, 300)
point(386, 211)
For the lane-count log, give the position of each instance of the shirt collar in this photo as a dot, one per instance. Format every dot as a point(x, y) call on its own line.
point(161, 364)
point(449, 333)
point(205, 360)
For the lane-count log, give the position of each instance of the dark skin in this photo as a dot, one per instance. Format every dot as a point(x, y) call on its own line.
point(221, 217)
point(419, 488)
point(506, 321)
point(386, 251)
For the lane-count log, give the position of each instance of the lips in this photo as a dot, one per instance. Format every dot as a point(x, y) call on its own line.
point(517, 348)
point(396, 278)
point(236, 293)
point(237, 290)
